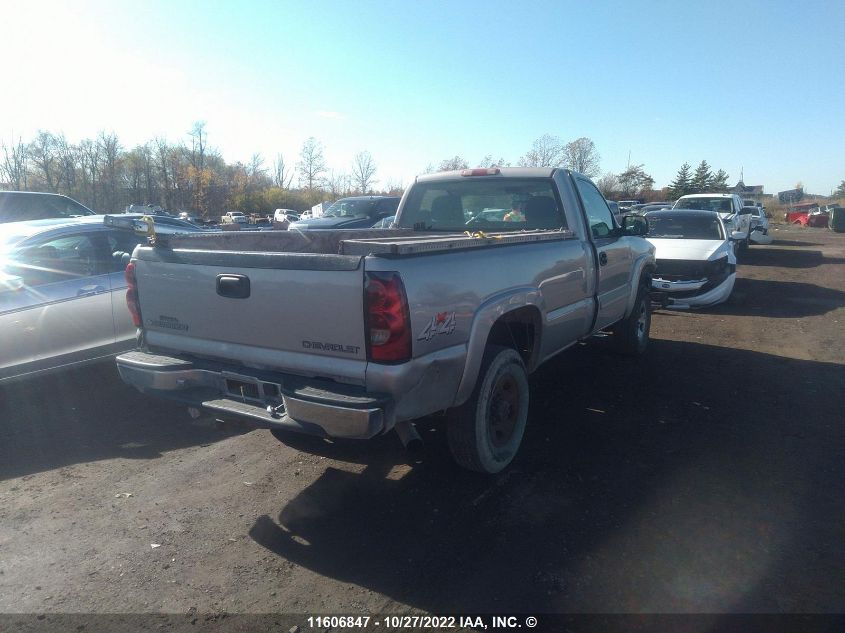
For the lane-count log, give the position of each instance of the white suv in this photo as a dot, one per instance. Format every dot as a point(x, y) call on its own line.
point(729, 208)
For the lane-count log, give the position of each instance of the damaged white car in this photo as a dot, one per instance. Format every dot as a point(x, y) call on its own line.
point(696, 262)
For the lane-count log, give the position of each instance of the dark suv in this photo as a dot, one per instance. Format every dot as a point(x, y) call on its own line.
point(27, 205)
point(358, 212)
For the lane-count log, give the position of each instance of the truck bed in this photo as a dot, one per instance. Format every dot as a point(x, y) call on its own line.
point(351, 242)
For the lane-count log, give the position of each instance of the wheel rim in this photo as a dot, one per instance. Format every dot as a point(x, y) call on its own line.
point(504, 410)
point(642, 323)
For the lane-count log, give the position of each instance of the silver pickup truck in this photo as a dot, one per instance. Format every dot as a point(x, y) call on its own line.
point(485, 275)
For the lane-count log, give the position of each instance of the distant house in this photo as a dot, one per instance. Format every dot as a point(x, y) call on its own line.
point(748, 192)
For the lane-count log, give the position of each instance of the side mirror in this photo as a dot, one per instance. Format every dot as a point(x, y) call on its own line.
point(737, 236)
point(634, 225)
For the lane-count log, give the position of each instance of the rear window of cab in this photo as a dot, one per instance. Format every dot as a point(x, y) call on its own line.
point(483, 204)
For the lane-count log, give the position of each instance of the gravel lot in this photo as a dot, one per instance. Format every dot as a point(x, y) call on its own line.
point(706, 477)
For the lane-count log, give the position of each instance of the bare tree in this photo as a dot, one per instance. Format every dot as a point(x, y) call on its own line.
point(161, 155)
point(66, 156)
point(255, 167)
point(282, 175)
point(311, 165)
point(394, 187)
point(150, 182)
point(363, 170)
point(337, 184)
point(43, 153)
point(608, 184)
point(110, 155)
point(547, 151)
point(138, 174)
point(581, 155)
point(90, 162)
point(199, 140)
point(452, 164)
point(256, 173)
point(488, 162)
point(198, 177)
point(15, 165)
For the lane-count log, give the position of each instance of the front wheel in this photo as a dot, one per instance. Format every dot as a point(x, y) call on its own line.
point(631, 334)
point(485, 432)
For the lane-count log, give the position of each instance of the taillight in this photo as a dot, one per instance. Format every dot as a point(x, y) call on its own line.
point(387, 319)
point(132, 294)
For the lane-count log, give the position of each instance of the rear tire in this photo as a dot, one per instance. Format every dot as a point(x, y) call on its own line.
point(631, 334)
point(485, 433)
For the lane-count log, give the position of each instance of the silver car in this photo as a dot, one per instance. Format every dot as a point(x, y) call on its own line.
point(62, 294)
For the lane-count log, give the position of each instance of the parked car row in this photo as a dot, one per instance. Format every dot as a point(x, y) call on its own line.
point(62, 289)
point(61, 271)
point(358, 212)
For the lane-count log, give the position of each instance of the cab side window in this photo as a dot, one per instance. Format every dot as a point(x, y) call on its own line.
point(599, 217)
point(60, 259)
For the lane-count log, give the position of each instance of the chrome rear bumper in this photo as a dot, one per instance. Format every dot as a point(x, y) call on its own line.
point(264, 399)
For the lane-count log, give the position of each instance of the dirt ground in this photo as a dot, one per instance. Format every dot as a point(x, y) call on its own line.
point(705, 477)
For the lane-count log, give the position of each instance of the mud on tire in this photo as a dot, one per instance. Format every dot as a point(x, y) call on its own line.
point(485, 433)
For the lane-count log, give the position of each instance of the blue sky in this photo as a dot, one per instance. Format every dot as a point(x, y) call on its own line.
point(756, 86)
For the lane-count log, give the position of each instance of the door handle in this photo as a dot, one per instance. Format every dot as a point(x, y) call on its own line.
point(602, 258)
point(233, 286)
point(90, 291)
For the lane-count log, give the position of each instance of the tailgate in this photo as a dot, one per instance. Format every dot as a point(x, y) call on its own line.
point(289, 311)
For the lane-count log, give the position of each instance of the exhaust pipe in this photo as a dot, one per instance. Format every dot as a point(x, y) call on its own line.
point(407, 433)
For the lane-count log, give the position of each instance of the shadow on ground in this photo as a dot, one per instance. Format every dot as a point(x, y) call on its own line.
point(786, 258)
point(59, 420)
point(637, 489)
point(777, 242)
point(754, 297)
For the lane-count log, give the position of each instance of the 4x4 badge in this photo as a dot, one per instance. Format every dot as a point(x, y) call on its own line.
point(441, 323)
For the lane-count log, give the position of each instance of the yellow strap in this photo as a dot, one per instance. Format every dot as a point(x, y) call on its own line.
point(151, 229)
point(481, 235)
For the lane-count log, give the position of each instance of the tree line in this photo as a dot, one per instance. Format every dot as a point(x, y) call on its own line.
point(702, 180)
point(188, 175)
point(579, 155)
point(191, 175)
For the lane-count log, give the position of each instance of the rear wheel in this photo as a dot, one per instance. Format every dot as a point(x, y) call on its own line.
point(485, 432)
point(631, 334)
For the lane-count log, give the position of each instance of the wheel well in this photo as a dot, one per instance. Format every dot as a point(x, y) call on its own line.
point(519, 329)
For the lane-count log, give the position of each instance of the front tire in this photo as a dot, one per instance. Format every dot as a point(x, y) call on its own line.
point(631, 334)
point(485, 433)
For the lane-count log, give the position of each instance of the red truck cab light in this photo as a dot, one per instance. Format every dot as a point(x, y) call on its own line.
point(387, 318)
point(481, 171)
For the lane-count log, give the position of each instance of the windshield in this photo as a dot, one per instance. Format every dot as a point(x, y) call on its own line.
point(720, 205)
point(487, 204)
point(685, 227)
point(351, 209)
